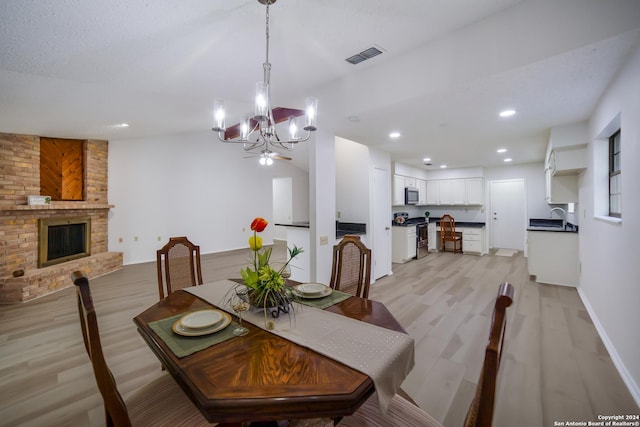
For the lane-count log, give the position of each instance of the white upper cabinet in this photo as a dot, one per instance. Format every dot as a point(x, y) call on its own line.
point(474, 190)
point(452, 192)
point(433, 193)
point(422, 191)
point(463, 191)
point(398, 190)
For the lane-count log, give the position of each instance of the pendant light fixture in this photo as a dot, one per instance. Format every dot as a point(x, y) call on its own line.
point(259, 130)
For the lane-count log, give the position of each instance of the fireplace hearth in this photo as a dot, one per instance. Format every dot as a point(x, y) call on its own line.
point(63, 239)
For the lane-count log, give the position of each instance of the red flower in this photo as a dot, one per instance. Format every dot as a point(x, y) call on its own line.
point(259, 224)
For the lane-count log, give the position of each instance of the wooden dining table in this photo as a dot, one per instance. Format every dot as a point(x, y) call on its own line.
point(262, 376)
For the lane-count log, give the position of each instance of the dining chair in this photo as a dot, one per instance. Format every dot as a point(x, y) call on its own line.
point(178, 264)
point(402, 412)
point(351, 269)
point(448, 234)
point(159, 403)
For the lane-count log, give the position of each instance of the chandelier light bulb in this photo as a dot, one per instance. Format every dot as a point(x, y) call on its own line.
point(262, 101)
point(218, 115)
point(244, 129)
point(293, 128)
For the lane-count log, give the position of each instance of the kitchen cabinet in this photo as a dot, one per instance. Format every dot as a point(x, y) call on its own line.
point(463, 191)
point(474, 191)
point(398, 190)
point(410, 182)
point(472, 240)
point(422, 191)
point(452, 192)
point(433, 239)
point(553, 257)
point(403, 243)
point(433, 193)
point(560, 189)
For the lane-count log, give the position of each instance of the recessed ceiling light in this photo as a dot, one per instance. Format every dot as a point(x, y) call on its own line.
point(426, 159)
point(507, 113)
point(443, 166)
point(121, 125)
point(508, 159)
point(394, 135)
point(501, 150)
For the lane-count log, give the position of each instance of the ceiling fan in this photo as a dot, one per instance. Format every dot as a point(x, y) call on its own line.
point(267, 157)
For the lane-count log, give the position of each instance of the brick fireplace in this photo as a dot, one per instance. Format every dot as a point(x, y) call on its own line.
point(20, 277)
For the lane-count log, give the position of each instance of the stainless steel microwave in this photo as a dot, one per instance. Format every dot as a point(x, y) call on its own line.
point(411, 196)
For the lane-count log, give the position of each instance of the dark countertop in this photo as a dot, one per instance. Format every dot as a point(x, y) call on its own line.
point(551, 224)
point(570, 228)
point(344, 228)
point(461, 223)
point(298, 224)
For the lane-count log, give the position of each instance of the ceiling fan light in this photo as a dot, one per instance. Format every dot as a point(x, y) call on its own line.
point(218, 115)
point(311, 114)
point(269, 161)
point(263, 160)
point(262, 101)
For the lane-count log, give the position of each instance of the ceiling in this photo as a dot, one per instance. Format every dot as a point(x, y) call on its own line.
point(76, 68)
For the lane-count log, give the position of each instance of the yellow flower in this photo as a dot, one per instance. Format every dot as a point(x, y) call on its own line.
point(255, 243)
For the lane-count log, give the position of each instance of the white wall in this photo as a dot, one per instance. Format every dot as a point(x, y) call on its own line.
point(610, 278)
point(352, 181)
point(188, 185)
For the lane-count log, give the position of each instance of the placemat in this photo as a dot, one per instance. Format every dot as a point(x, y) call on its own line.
point(183, 346)
point(322, 303)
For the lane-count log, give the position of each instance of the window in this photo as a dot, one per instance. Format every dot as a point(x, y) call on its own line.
point(615, 190)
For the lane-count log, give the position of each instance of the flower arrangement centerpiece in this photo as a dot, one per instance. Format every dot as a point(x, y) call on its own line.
point(267, 287)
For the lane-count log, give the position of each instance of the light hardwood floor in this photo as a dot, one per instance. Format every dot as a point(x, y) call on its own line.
point(555, 367)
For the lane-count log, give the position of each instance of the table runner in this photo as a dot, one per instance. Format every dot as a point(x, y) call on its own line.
point(183, 346)
point(384, 355)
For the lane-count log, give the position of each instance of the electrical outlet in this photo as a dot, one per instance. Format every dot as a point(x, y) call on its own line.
point(135, 238)
point(159, 238)
point(120, 240)
point(324, 240)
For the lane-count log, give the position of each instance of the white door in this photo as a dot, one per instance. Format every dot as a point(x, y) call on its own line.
point(381, 224)
point(508, 214)
point(282, 205)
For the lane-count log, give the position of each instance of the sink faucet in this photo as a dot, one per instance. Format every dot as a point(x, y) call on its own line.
point(564, 216)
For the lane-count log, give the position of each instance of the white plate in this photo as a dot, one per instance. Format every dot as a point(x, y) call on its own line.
point(326, 292)
point(179, 329)
point(201, 319)
point(311, 289)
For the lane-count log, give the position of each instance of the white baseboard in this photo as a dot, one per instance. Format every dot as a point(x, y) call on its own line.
point(633, 387)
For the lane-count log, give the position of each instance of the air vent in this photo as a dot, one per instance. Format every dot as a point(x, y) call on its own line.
point(364, 55)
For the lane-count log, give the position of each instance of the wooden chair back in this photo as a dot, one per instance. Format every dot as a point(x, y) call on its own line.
point(178, 264)
point(480, 412)
point(448, 233)
point(115, 408)
point(351, 270)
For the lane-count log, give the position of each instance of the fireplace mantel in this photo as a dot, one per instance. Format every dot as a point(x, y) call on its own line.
point(56, 206)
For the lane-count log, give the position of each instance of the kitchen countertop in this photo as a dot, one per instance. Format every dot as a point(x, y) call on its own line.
point(570, 228)
point(551, 224)
point(298, 224)
point(463, 224)
point(344, 228)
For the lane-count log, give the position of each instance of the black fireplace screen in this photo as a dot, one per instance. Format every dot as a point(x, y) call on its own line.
point(62, 240)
